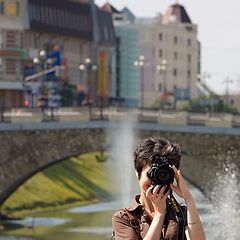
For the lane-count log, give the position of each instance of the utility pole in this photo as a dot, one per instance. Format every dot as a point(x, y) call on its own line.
point(227, 81)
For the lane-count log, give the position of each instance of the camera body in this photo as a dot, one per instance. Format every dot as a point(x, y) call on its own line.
point(161, 173)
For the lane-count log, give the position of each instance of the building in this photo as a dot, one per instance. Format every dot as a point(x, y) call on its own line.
point(126, 87)
point(71, 33)
point(177, 52)
point(168, 44)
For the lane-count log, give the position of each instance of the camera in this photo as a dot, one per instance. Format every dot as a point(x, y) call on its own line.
point(161, 173)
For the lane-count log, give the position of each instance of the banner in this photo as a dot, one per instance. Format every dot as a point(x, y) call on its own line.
point(102, 74)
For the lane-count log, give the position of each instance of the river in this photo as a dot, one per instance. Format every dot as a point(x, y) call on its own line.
point(93, 222)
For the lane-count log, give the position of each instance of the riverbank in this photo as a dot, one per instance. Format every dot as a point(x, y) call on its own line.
point(72, 182)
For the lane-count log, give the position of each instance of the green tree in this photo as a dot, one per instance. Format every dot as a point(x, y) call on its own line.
point(203, 104)
point(67, 92)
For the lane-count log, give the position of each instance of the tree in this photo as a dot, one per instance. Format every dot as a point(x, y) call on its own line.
point(208, 104)
point(67, 92)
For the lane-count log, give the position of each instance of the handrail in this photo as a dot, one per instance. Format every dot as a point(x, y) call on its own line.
point(89, 113)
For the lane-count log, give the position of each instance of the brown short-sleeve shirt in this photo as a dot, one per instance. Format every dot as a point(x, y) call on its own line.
point(133, 223)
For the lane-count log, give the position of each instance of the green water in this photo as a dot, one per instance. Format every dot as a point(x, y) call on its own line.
point(93, 225)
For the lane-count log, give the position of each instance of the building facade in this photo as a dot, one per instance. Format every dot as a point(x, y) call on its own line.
point(176, 56)
point(168, 43)
point(70, 32)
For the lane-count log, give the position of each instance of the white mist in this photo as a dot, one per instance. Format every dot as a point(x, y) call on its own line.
point(123, 142)
point(225, 196)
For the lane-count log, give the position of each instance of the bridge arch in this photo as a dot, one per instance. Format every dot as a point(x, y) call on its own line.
point(27, 149)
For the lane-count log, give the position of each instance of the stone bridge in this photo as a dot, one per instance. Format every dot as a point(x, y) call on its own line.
point(27, 148)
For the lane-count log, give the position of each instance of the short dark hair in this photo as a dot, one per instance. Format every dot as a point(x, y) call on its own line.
point(147, 150)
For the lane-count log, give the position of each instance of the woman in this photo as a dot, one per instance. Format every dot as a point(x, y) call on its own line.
point(150, 216)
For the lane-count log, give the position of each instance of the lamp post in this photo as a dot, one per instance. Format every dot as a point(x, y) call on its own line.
point(141, 62)
point(88, 66)
point(162, 68)
point(43, 61)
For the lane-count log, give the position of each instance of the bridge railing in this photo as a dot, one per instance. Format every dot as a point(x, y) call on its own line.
point(86, 113)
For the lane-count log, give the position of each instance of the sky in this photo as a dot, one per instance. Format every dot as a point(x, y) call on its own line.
point(218, 31)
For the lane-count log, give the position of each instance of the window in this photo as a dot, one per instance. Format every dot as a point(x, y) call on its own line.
point(31, 14)
point(71, 20)
point(189, 58)
point(55, 20)
point(37, 14)
point(105, 31)
point(10, 9)
point(43, 15)
point(1, 69)
point(189, 42)
point(64, 19)
point(46, 15)
point(159, 87)
point(175, 40)
point(189, 28)
point(188, 73)
point(174, 72)
point(50, 12)
point(17, 9)
point(1, 8)
point(160, 36)
point(160, 53)
point(175, 55)
point(10, 39)
point(10, 66)
point(1, 40)
point(173, 18)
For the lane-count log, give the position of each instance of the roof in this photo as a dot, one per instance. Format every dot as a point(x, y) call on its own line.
point(131, 17)
point(176, 13)
point(109, 8)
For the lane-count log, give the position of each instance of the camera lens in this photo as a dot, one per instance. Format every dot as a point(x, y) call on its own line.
point(162, 174)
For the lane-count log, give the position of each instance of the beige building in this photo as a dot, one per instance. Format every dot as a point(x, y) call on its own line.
point(175, 57)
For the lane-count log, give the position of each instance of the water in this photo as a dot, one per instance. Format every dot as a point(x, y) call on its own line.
point(225, 213)
point(95, 219)
point(93, 222)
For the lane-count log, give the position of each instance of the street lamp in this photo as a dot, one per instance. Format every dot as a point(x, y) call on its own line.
point(162, 68)
point(88, 66)
point(140, 62)
point(43, 61)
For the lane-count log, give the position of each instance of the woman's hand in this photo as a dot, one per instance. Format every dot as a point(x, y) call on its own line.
point(181, 189)
point(158, 198)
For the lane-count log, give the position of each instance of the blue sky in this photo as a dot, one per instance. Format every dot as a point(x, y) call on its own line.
point(219, 34)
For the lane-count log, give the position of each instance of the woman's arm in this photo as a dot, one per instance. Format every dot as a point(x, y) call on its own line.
point(194, 226)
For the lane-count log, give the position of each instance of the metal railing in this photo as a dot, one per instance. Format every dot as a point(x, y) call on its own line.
point(87, 113)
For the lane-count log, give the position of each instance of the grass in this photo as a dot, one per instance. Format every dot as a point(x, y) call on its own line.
point(78, 180)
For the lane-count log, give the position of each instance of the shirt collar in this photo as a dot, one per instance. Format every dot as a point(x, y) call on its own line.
point(135, 204)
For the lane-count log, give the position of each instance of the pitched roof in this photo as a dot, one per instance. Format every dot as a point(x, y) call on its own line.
point(176, 13)
point(109, 8)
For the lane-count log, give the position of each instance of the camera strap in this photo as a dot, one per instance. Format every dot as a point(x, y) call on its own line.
point(180, 217)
